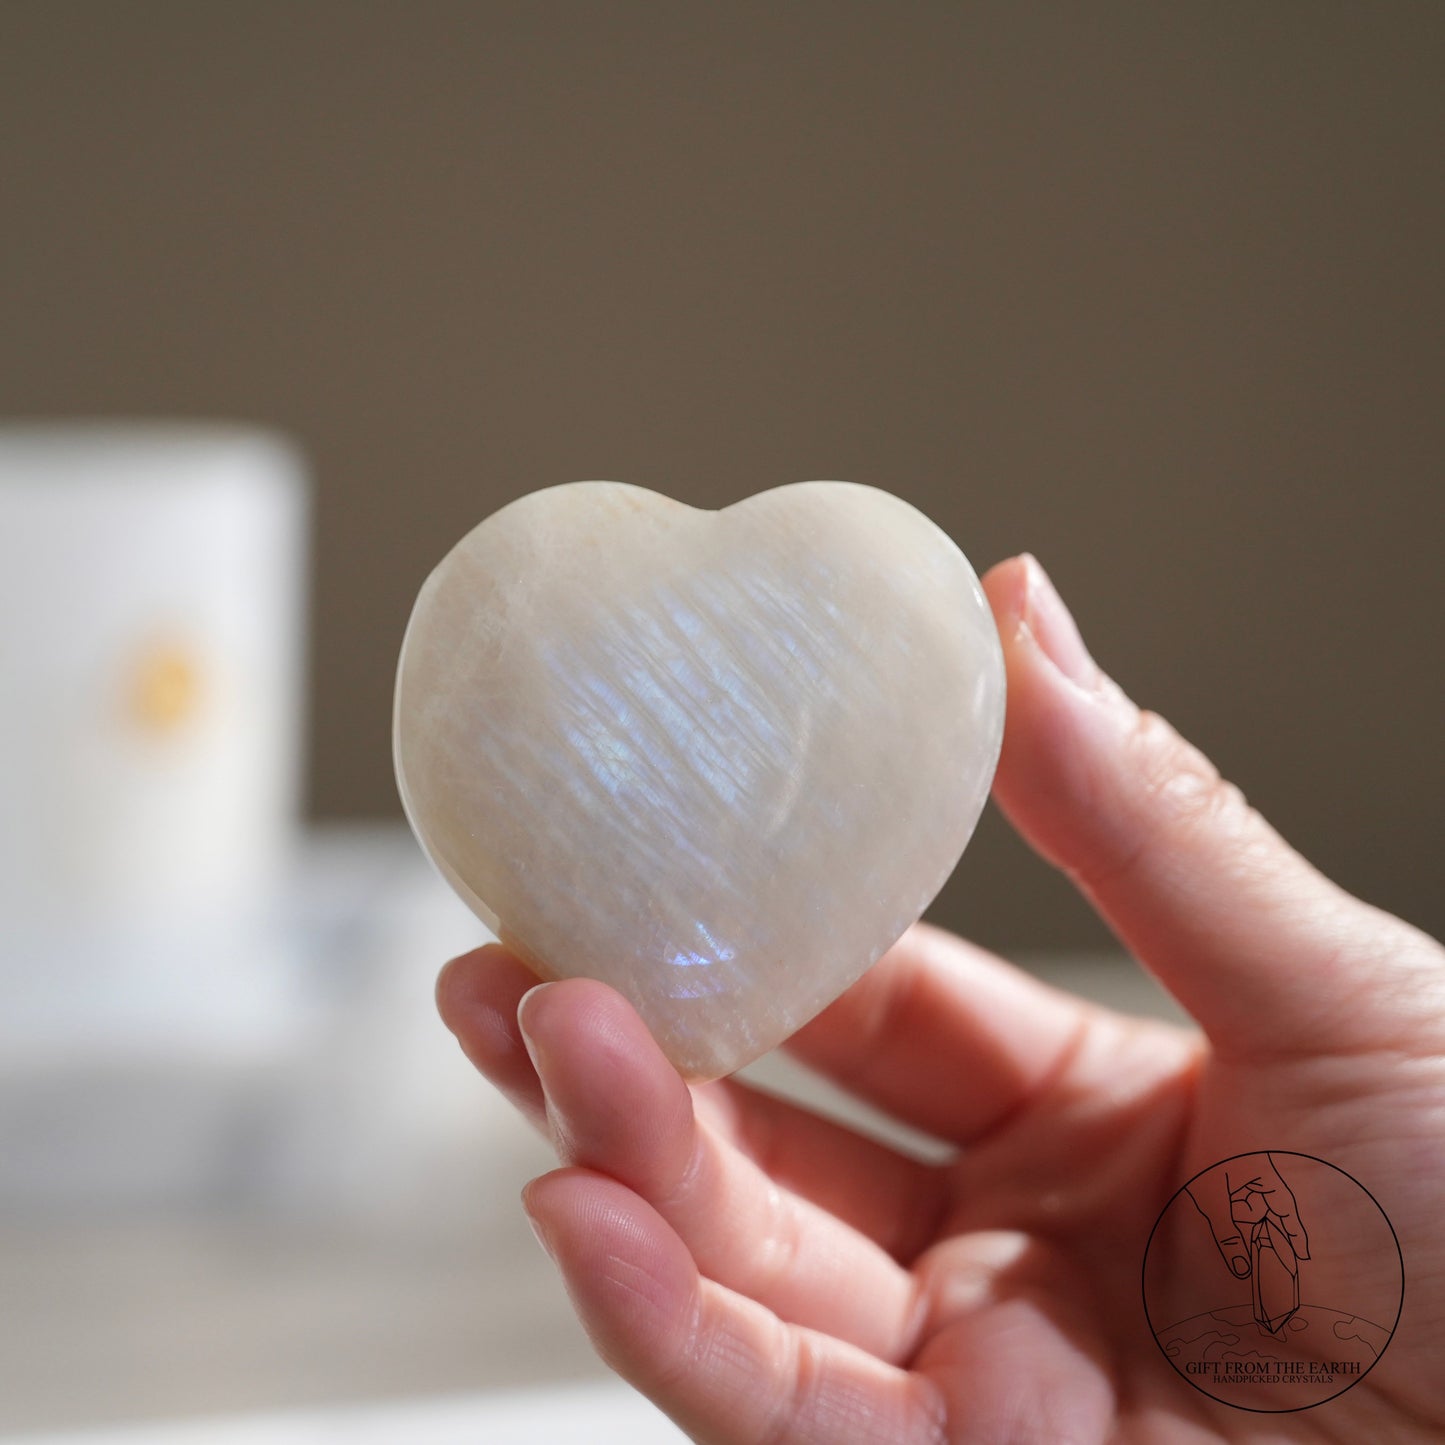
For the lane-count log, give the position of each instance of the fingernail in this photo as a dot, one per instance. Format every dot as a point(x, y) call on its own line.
point(537, 1230)
point(525, 1005)
point(1240, 1265)
point(1052, 626)
point(556, 1115)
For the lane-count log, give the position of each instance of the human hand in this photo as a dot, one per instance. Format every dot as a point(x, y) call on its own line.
point(766, 1275)
point(1247, 1191)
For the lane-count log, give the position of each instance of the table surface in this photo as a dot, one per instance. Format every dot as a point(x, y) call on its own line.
point(401, 1270)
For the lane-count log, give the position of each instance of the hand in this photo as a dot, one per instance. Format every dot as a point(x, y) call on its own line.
point(1245, 1192)
point(767, 1276)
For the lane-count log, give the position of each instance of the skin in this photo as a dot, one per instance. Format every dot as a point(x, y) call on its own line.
point(767, 1276)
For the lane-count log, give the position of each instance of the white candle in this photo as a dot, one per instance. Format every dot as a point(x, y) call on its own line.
point(151, 649)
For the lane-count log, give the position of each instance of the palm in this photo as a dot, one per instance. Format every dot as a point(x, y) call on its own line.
point(1034, 1260)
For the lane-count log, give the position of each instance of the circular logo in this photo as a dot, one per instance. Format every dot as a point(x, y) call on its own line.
point(1273, 1281)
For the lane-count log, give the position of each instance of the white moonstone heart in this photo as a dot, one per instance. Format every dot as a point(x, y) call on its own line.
point(719, 760)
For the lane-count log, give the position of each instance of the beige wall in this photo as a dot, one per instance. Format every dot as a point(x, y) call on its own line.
point(1152, 290)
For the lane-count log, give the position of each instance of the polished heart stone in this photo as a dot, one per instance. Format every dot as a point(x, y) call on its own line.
point(719, 760)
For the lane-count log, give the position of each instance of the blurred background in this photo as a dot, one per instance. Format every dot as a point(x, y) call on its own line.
point(293, 295)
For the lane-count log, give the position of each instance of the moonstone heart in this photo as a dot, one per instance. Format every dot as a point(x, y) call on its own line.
point(719, 760)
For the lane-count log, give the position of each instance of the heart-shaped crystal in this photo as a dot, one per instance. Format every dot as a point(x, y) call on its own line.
point(718, 760)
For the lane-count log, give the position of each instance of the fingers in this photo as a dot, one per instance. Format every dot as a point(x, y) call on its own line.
point(477, 997)
point(723, 1366)
point(1211, 1198)
point(1249, 1190)
point(944, 1036)
point(1281, 1201)
point(1260, 1176)
point(617, 1106)
point(1266, 953)
point(893, 1200)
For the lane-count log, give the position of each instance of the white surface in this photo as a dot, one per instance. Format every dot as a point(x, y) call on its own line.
point(292, 1061)
point(151, 624)
point(600, 1414)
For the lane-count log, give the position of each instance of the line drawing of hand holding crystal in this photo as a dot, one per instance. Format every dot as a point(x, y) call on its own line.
point(1255, 1221)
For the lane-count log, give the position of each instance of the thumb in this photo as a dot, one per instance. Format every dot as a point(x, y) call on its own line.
point(1260, 948)
point(1211, 1199)
point(1282, 1205)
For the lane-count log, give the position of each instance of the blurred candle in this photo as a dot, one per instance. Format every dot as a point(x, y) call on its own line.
point(152, 617)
